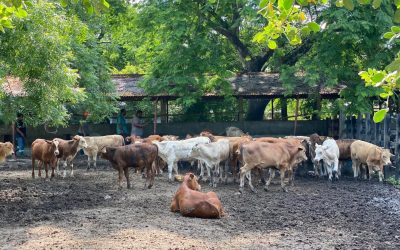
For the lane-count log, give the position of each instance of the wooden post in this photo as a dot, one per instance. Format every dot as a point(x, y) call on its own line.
point(295, 115)
point(284, 115)
point(368, 127)
point(359, 126)
point(155, 117)
point(164, 110)
point(342, 125)
point(240, 100)
point(272, 109)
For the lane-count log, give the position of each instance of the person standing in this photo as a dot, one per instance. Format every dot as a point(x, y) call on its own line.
point(83, 125)
point(122, 128)
point(20, 134)
point(137, 124)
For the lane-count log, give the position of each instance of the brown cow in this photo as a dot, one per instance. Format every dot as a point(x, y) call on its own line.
point(45, 152)
point(373, 156)
point(344, 151)
point(280, 155)
point(139, 156)
point(192, 203)
point(6, 149)
point(68, 150)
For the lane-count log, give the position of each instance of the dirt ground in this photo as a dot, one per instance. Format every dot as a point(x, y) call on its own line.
point(89, 212)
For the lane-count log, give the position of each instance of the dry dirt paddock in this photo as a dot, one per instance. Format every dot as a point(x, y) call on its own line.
point(89, 212)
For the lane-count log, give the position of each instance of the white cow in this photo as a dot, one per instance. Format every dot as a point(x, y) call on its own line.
point(329, 153)
point(212, 154)
point(96, 143)
point(173, 151)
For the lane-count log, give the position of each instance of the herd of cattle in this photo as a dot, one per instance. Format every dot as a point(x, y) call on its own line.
point(218, 155)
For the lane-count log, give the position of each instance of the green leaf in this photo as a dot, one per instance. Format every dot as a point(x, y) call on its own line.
point(396, 17)
point(388, 35)
point(378, 77)
point(64, 3)
point(395, 29)
point(397, 3)
point(376, 3)
point(272, 44)
point(364, 2)
point(380, 115)
point(305, 30)
point(395, 65)
point(384, 95)
point(21, 13)
point(339, 3)
point(263, 4)
point(106, 4)
point(314, 26)
point(348, 4)
point(287, 4)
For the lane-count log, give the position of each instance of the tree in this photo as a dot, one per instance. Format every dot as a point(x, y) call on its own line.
point(58, 59)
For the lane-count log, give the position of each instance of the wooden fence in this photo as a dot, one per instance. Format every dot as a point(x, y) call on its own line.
point(384, 134)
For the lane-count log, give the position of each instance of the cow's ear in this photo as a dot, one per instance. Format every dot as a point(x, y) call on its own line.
point(49, 142)
point(76, 138)
point(191, 176)
point(300, 148)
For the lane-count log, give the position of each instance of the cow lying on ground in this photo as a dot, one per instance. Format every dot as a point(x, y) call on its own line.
point(96, 143)
point(68, 150)
point(328, 152)
point(192, 203)
point(212, 154)
point(174, 151)
point(140, 156)
point(280, 155)
point(373, 156)
point(45, 152)
point(6, 149)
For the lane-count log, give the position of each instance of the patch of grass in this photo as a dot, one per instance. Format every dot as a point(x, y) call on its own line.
point(393, 181)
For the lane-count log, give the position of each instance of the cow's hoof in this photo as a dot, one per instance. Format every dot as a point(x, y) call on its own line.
point(253, 190)
point(149, 186)
point(240, 190)
point(284, 190)
point(266, 189)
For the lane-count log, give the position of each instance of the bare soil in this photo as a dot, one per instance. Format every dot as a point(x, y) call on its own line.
point(89, 212)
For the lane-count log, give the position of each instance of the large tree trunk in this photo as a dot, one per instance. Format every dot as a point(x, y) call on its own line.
point(256, 108)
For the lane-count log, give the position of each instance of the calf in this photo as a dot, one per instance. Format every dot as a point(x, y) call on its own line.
point(45, 152)
point(280, 155)
point(319, 169)
point(212, 154)
point(140, 156)
point(6, 149)
point(373, 156)
point(328, 152)
point(192, 203)
point(96, 143)
point(68, 150)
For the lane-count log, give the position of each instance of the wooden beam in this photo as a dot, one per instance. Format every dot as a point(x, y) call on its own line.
point(295, 115)
point(240, 100)
point(155, 117)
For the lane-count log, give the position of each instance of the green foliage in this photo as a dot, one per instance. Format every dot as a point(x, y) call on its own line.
point(393, 181)
point(59, 61)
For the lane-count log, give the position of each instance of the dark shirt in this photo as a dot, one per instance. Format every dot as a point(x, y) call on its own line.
point(21, 126)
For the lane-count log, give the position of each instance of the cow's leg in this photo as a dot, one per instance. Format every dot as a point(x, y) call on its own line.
point(290, 176)
point(72, 169)
point(88, 163)
point(271, 176)
point(340, 168)
point(94, 158)
point(329, 169)
point(201, 166)
point(243, 171)
point(226, 170)
point(354, 167)
point(170, 166)
point(40, 164)
point(380, 173)
point(120, 174)
point(151, 174)
point(46, 168)
point(33, 168)
point(336, 168)
point(65, 169)
point(282, 172)
point(126, 172)
point(52, 172)
point(234, 164)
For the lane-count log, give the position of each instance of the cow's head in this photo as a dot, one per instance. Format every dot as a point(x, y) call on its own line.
point(7, 148)
point(191, 182)
point(385, 157)
point(81, 141)
point(319, 152)
point(195, 151)
point(54, 146)
point(301, 154)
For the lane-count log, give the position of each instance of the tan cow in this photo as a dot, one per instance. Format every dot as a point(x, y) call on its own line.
point(45, 152)
point(96, 143)
point(280, 155)
point(373, 156)
point(6, 149)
